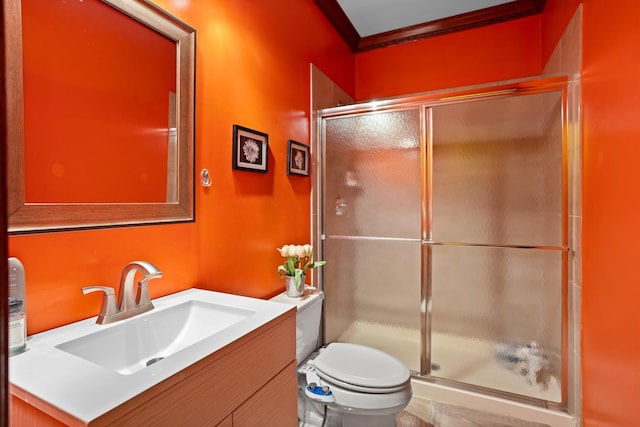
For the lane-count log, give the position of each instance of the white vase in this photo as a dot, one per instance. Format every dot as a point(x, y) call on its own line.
point(291, 288)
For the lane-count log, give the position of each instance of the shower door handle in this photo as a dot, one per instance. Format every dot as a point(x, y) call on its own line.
point(340, 206)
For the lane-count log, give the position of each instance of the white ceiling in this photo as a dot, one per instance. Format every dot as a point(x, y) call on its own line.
point(378, 16)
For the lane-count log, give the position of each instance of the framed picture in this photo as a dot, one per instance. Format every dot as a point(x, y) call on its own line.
point(250, 149)
point(297, 158)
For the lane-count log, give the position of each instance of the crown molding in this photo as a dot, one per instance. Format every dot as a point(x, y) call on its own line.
point(340, 22)
point(491, 15)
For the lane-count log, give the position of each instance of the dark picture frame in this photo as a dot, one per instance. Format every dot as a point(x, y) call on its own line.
point(298, 158)
point(250, 150)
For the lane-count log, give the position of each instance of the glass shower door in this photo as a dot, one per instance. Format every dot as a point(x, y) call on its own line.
point(372, 231)
point(497, 244)
point(444, 225)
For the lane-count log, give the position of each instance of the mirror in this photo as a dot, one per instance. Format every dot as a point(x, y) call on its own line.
point(101, 116)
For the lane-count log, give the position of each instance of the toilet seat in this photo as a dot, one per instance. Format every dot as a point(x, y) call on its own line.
point(361, 369)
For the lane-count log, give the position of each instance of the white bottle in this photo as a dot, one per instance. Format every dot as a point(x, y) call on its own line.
point(17, 317)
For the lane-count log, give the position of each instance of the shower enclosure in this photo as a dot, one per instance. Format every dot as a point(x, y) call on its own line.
point(443, 221)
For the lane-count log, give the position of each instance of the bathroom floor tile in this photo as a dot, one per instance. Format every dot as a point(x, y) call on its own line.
point(426, 413)
point(407, 419)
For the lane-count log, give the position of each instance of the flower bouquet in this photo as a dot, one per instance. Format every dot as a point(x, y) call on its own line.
point(298, 259)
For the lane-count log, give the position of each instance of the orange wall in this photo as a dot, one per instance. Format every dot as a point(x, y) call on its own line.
point(488, 54)
point(253, 69)
point(611, 229)
point(253, 60)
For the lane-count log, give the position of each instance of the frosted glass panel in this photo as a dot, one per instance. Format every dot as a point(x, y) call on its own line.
point(489, 305)
point(497, 171)
point(373, 175)
point(373, 295)
point(494, 251)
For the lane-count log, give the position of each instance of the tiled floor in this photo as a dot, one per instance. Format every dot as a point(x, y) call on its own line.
point(427, 413)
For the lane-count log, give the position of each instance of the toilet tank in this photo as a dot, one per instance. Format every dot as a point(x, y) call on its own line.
point(307, 320)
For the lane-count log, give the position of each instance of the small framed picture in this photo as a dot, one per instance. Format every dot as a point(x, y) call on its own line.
point(297, 158)
point(250, 149)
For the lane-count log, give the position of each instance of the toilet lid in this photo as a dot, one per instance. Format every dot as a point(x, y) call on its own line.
point(361, 366)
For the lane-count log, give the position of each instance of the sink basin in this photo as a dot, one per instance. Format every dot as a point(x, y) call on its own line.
point(127, 347)
point(86, 370)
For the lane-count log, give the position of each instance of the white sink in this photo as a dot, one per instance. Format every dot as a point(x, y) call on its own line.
point(85, 369)
point(129, 346)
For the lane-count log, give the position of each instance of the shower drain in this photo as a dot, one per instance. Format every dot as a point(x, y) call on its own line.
point(154, 360)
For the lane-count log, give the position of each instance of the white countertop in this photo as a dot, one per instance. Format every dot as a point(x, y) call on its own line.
point(86, 390)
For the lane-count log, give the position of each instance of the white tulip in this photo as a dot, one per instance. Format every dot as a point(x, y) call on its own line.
point(308, 250)
point(299, 251)
point(284, 251)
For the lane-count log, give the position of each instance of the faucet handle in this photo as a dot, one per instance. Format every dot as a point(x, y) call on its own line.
point(109, 306)
point(143, 297)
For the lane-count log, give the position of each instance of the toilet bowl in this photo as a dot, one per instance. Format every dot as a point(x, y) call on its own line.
point(343, 384)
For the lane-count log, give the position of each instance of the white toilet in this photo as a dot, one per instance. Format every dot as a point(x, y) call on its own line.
point(343, 384)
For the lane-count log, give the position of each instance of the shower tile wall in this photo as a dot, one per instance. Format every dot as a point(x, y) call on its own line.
point(566, 59)
point(324, 94)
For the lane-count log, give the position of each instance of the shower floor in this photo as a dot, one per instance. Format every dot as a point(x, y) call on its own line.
point(456, 358)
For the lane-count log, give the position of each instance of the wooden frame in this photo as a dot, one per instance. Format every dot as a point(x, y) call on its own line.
point(24, 217)
point(298, 158)
point(250, 150)
point(7, 13)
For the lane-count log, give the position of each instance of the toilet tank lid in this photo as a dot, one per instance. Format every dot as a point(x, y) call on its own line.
point(310, 297)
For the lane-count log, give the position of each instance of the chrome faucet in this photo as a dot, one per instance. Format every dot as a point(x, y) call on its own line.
point(126, 297)
point(130, 301)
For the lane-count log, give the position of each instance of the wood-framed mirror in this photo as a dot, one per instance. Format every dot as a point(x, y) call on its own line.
point(100, 123)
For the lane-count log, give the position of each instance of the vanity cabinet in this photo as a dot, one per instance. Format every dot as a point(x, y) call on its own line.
point(272, 405)
point(250, 382)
